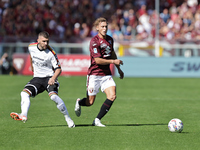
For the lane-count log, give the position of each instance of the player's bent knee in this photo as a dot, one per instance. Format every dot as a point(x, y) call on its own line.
point(90, 102)
point(56, 99)
point(53, 97)
point(112, 98)
point(24, 94)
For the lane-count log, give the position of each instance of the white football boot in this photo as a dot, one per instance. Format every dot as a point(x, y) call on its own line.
point(70, 123)
point(97, 123)
point(77, 108)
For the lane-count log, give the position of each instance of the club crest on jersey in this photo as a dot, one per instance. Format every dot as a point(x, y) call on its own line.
point(90, 89)
point(95, 50)
point(103, 45)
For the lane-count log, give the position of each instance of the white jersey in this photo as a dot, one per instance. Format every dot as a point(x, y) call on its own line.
point(44, 61)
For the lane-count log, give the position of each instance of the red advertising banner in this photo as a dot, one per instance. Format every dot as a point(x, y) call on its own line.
point(74, 64)
point(70, 64)
point(21, 62)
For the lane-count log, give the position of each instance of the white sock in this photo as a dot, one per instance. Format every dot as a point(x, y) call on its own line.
point(61, 106)
point(25, 103)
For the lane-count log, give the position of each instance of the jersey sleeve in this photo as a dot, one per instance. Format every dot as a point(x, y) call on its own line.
point(31, 47)
point(54, 59)
point(94, 48)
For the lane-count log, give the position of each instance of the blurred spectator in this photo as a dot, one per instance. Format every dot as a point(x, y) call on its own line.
point(132, 18)
point(141, 33)
point(165, 15)
point(128, 33)
point(192, 5)
point(93, 32)
point(99, 9)
point(122, 26)
point(188, 18)
point(110, 30)
point(126, 18)
point(60, 30)
point(142, 10)
point(183, 9)
point(77, 29)
point(174, 13)
point(145, 21)
point(117, 34)
point(167, 33)
point(5, 64)
point(85, 31)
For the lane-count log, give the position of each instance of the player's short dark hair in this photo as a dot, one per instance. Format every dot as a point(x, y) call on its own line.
point(99, 20)
point(44, 34)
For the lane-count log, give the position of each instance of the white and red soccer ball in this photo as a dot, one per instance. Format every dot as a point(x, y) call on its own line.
point(175, 125)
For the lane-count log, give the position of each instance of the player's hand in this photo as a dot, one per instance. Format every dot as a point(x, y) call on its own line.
point(51, 81)
point(121, 73)
point(118, 62)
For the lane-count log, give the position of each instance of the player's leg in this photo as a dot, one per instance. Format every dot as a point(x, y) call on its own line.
point(93, 86)
point(111, 96)
point(53, 90)
point(25, 102)
point(109, 88)
point(86, 101)
point(29, 90)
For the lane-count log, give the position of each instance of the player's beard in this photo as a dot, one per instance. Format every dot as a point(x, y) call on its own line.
point(44, 47)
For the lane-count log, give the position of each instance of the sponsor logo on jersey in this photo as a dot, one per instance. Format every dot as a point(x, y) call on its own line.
point(38, 58)
point(39, 64)
point(107, 51)
point(95, 50)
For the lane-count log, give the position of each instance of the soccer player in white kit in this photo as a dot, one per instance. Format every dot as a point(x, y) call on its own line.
point(99, 75)
point(46, 69)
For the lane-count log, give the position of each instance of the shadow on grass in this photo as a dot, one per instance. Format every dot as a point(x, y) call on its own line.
point(137, 124)
point(109, 125)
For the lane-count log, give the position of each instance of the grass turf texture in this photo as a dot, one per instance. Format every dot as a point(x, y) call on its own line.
point(137, 120)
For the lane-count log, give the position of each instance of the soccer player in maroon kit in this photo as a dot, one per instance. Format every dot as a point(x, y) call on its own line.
point(99, 75)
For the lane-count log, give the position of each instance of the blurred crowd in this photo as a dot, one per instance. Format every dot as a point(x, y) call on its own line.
point(128, 19)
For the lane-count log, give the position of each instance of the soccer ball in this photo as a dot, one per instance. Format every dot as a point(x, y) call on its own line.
point(175, 125)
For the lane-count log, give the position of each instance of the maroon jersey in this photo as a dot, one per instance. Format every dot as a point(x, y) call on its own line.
point(101, 48)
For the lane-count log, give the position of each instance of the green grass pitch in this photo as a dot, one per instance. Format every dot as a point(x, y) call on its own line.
point(137, 120)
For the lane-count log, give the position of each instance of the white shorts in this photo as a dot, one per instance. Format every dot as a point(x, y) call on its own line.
point(95, 82)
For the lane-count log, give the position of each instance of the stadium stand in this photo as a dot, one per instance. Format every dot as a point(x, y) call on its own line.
point(70, 21)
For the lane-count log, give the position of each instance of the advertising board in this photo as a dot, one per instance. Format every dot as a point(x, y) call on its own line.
point(161, 67)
